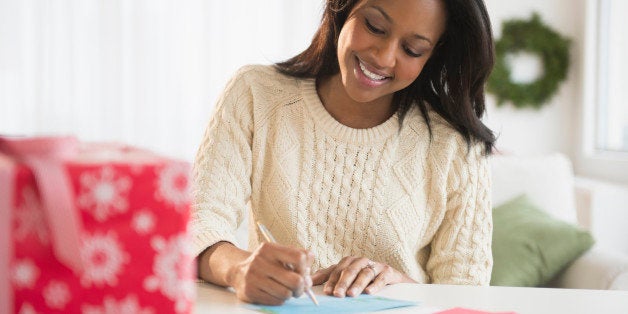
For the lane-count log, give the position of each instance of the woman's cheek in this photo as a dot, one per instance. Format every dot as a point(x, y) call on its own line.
point(409, 73)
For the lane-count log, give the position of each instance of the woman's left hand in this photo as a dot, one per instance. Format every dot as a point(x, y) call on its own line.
point(354, 275)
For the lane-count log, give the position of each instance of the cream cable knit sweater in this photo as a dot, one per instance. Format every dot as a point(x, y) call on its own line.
point(387, 194)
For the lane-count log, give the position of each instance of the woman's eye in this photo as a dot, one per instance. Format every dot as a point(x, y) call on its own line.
point(412, 53)
point(372, 28)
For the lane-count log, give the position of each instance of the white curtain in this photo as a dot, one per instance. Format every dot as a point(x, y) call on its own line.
point(141, 72)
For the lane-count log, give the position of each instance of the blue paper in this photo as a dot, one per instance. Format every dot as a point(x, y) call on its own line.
point(328, 304)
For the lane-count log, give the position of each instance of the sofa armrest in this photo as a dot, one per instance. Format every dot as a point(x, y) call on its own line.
point(599, 269)
point(584, 203)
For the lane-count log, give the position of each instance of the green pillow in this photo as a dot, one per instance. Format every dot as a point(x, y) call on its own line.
point(530, 247)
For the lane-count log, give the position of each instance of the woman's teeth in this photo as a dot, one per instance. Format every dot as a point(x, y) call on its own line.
point(370, 74)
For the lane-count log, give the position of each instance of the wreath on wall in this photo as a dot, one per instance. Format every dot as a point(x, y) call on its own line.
point(531, 36)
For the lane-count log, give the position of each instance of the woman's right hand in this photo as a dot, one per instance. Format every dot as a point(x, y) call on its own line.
point(265, 276)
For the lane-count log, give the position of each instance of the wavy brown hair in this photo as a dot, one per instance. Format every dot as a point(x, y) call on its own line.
point(451, 82)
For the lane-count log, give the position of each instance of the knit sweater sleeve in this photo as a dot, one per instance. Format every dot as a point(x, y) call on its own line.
point(461, 248)
point(222, 168)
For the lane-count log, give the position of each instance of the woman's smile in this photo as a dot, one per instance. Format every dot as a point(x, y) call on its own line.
point(369, 76)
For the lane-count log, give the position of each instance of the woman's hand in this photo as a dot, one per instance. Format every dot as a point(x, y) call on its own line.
point(354, 275)
point(272, 274)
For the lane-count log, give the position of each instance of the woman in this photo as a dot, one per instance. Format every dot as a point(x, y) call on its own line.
point(364, 155)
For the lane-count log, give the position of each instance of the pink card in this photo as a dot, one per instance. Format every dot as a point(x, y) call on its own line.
point(459, 310)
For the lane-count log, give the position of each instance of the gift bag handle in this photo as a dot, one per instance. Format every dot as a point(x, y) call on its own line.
point(6, 198)
point(45, 156)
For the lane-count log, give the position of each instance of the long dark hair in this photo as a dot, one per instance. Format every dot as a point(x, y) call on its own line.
point(451, 82)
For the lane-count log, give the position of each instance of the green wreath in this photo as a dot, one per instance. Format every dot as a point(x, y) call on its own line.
point(535, 37)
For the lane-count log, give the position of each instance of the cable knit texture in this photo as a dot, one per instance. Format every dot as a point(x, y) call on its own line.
point(385, 193)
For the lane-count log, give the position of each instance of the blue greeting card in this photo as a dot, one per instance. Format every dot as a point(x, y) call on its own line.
point(328, 304)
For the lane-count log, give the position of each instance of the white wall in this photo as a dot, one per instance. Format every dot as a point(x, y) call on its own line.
point(141, 72)
point(554, 126)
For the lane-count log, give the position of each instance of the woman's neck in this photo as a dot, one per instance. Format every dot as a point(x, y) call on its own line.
point(357, 115)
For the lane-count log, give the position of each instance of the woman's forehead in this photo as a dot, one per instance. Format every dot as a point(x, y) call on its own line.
point(424, 17)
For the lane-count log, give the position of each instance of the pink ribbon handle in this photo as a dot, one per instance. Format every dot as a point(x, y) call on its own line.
point(45, 156)
point(6, 222)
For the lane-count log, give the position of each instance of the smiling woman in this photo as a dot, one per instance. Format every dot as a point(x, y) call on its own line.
point(365, 155)
point(379, 55)
point(376, 50)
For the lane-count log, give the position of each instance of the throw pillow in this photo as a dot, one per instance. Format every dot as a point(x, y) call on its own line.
point(530, 247)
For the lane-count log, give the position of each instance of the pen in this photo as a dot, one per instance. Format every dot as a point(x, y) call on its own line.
point(269, 238)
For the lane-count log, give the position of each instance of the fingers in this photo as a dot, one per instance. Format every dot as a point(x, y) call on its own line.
point(251, 291)
point(365, 276)
point(267, 298)
point(279, 290)
point(334, 276)
point(322, 275)
point(298, 259)
point(259, 296)
point(353, 275)
point(387, 276)
point(344, 276)
point(288, 279)
point(273, 274)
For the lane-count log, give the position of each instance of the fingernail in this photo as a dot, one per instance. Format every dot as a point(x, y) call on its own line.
point(353, 292)
point(327, 289)
point(339, 292)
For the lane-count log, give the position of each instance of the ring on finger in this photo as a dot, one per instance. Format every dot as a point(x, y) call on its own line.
point(371, 265)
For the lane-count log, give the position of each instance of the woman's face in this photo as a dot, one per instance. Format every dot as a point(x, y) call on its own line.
point(384, 45)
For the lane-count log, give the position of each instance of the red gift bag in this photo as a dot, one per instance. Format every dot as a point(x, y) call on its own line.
point(93, 228)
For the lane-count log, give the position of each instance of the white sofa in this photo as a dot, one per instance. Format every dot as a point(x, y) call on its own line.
point(550, 183)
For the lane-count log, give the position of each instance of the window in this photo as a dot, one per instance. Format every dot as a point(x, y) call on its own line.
point(603, 145)
point(612, 121)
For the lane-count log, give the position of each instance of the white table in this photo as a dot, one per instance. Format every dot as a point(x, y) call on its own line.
point(214, 299)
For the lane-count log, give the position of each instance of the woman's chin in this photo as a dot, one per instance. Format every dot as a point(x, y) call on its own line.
point(367, 97)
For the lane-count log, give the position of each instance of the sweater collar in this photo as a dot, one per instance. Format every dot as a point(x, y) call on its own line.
point(323, 119)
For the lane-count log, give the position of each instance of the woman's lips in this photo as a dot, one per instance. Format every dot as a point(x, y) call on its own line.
point(368, 76)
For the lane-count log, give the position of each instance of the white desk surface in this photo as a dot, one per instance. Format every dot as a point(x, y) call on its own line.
point(214, 299)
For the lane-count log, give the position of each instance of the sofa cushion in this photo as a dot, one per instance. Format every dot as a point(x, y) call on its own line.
point(530, 247)
point(600, 268)
point(547, 180)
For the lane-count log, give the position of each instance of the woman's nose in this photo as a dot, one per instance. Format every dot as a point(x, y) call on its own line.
point(386, 54)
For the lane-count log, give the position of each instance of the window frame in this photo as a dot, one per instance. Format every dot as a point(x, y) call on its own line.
point(591, 161)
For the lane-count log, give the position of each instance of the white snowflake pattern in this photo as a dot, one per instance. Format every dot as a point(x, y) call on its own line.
point(24, 273)
point(104, 193)
point(56, 294)
point(103, 258)
point(27, 308)
point(143, 222)
point(174, 184)
point(173, 271)
point(128, 305)
point(30, 218)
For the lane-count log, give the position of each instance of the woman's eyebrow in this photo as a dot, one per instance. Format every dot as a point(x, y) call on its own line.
point(390, 20)
point(386, 16)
